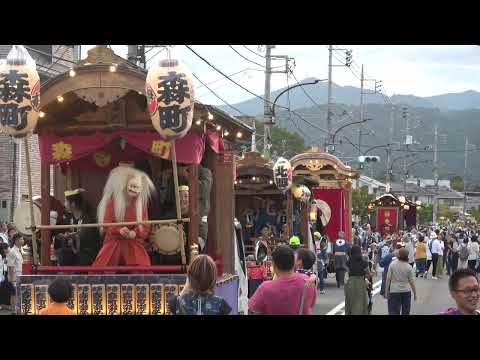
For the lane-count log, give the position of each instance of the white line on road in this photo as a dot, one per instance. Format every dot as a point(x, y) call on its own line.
point(341, 306)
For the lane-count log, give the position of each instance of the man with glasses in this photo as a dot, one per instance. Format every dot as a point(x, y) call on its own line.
point(464, 289)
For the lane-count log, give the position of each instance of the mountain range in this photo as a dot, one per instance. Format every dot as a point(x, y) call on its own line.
point(309, 95)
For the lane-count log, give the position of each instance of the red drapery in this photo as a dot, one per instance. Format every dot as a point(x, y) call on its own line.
point(337, 201)
point(387, 220)
point(104, 150)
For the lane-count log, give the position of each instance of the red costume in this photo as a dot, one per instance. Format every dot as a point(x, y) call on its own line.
point(118, 250)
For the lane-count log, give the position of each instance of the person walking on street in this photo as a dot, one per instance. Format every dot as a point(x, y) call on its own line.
point(463, 253)
point(421, 256)
point(473, 252)
point(289, 293)
point(452, 261)
point(340, 251)
point(441, 251)
point(436, 250)
point(465, 291)
point(356, 295)
point(411, 250)
point(428, 242)
point(400, 285)
point(321, 253)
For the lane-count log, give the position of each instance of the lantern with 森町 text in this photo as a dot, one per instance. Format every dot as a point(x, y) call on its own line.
point(170, 97)
point(19, 93)
point(282, 174)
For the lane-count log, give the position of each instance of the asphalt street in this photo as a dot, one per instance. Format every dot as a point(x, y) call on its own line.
point(433, 297)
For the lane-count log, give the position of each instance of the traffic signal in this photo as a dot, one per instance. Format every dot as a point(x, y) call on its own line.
point(366, 159)
point(348, 58)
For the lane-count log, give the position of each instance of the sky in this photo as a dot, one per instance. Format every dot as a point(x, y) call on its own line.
point(419, 70)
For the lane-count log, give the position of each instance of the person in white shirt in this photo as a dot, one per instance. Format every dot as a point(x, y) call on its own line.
point(428, 241)
point(463, 253)
point(4, 233)
point(473, 250)
point(14, 265)
point(437, 251)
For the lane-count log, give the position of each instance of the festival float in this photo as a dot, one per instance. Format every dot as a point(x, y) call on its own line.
point(329, 207)
point(391, 213)
point(260, 206)
point(157, 165)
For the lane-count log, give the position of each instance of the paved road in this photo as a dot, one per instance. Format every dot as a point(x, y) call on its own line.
point(433, 297)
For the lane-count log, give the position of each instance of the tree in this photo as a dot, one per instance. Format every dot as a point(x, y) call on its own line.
point(456, 183)
point(425, 214)
point(360, 200)
point(445, 211)
point(284, 143)
point(475, 213)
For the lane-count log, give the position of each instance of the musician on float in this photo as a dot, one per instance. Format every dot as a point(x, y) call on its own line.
point(77, 246)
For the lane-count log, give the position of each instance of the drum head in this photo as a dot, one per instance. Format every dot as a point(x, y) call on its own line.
point(324, 211)
point(21, 217)
point(166, 240)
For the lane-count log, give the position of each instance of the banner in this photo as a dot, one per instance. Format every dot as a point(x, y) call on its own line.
point(387, 220)
point(336, 200)
point(56, 149)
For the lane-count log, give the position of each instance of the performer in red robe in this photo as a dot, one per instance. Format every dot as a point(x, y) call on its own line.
point(124, 200)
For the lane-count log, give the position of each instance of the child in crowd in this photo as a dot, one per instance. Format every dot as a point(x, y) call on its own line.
point(60, 292)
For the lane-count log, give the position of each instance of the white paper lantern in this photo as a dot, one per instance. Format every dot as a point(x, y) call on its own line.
point(170, 96)
point(282, 174)
point(19, 93)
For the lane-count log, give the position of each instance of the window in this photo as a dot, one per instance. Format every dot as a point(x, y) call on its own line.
point(4, 204)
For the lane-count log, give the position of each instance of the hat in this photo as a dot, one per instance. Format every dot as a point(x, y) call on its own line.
point(294, 241)
point(317, 234)
point(73, 192)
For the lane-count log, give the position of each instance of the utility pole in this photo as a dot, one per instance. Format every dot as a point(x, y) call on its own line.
point(329, 99)
point(361, 115)
point(254, 142)
point(435, 175)
point(267, 109)
point(408, 141)
point(465, 178)
point(392, 123)
point(132, 53)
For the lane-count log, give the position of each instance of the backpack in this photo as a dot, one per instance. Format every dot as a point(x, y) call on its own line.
point(463, 254)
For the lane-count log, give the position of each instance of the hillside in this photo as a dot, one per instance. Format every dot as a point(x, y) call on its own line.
point(349, 95)
point(456, 124)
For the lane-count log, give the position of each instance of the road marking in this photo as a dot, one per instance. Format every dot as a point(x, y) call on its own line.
point(341, 306)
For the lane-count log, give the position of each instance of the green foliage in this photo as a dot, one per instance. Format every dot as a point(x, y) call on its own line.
point(425, 214)
point(444, 211)
point(475, 213)
point(360, 200)
point(284, 142)
point(456, 183)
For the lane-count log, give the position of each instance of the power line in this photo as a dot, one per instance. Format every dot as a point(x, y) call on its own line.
point(253, 52)
point(216, 95)
point(245, 58)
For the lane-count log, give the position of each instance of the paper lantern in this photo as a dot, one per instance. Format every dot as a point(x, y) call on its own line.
point(282, 174)
point(19, 93)
point(170, 97)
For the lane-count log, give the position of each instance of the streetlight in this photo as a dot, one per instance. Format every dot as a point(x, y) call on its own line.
point(290, 88)
point(331, 147)
point(376, 147)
